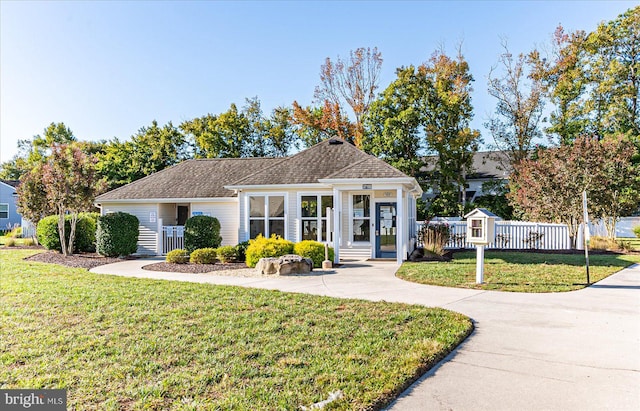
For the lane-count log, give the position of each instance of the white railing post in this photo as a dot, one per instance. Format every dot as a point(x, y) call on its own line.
point(160, 238)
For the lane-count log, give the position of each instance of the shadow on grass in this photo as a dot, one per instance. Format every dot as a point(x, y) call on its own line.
point(607, 259)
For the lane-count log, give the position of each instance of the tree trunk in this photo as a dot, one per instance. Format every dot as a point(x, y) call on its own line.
point(72, 233)
point(61, 232)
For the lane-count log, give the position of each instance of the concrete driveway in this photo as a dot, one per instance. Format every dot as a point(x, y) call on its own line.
point(566, 351)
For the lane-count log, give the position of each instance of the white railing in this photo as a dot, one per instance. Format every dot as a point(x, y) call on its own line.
point(172, 238)
point(513, 235)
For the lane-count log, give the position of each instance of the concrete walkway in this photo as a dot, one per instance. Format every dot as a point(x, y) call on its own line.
point(566, 351)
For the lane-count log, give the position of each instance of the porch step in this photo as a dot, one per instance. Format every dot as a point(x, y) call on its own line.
point(355, 254)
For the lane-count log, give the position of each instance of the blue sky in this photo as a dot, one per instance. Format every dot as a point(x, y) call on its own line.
point(106, 69)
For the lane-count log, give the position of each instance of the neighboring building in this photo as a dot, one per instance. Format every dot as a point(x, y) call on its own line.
point(9, 217)
point(487, 166)
point(372, 205)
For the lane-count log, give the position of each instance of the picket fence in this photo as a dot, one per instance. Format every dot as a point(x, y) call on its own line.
point(512, 235)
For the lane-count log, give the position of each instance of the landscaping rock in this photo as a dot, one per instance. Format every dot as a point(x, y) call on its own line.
point(285, 265)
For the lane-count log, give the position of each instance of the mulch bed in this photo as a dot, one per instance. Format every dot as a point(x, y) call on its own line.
point(193, 268)
point(82, 260)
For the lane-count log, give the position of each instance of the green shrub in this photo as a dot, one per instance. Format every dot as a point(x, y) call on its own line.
point(15, 232)
point(227, 253)
point(11, 242)
point(85, 239)
point(313, 250)
point(178, 256)
point(203, 256)
point(201, 232)
point(267, 247)
point(241, 251)
point(28, 242)
point(636, 231)
point(117, 234)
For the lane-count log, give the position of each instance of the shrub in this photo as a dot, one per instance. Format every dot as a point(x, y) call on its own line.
point(603, 243)
point(434, 237)
point(117, 234)
point(15, 232)
point(263, 247)
point(227, 253)
point(178, 256)
point(241, 251)
point(11, 242)
point(636, 231)
point(313, 250)
point(201, 232)
point(203, 256)
point(28, 242)
point(85, 238)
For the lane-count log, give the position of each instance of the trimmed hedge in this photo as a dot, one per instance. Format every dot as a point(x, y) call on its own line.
point(227, 253)
point(85, 239)
point(203, 256)
point(178, 256)
point(201, 232)
point(313, 250)
point(267, 247)
point(117, 234)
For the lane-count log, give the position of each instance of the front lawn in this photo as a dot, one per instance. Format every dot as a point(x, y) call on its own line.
point(122, 343)
point(517, 271)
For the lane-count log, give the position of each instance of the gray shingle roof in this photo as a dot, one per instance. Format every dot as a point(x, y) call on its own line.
point(12, 183)
point(203, 178)
point(207, 178)
point(486, 164)
point(327, 159)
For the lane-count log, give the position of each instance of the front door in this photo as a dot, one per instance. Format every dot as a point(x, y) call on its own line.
point(386, 230)
point(183, 214)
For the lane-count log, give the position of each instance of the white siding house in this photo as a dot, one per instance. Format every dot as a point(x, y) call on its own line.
point(331, 192)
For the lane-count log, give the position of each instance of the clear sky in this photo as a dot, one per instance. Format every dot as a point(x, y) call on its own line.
point(106, 69)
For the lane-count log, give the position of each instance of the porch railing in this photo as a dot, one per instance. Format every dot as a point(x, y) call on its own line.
point(172, 238)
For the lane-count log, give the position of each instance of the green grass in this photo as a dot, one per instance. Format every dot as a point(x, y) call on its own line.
point(517, 271)
point(134, 344)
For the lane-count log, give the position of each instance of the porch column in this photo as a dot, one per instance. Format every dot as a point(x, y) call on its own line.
point(159, 238)
point(337, 232)
point(401, 226)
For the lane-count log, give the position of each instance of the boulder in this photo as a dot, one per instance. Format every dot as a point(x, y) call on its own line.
point(285, 265)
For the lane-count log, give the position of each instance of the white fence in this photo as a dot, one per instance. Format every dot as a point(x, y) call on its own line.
point(172, 238)
point(513, 235)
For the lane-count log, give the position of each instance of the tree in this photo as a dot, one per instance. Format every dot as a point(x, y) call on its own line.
point(515, 125)
point(32, 197)
point(242, 133)
point(564, 82)
point(33, 152)
point(314, 124)
point(549, 188)
point(447, 116)
point(71, 184)
point(351, 83)
point(394, 122)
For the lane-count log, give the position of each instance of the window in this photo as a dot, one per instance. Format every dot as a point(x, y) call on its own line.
point(4, 210)
point(266, 215)
point(361, 217)
point(313, 212)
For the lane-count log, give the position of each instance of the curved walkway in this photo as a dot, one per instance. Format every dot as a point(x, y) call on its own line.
point(566, 351)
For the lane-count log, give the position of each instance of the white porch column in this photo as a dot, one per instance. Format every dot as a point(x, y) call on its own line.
point(401, 226)
point(337, 227)
point(159, 238)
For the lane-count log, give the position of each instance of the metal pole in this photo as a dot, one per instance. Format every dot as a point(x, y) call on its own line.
point(479, 264)
point(586, 234)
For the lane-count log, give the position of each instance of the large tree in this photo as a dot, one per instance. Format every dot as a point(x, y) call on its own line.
point(151, 149)
point(71, 184)
point(516, 122)
point(344, 83)
point(549, 187)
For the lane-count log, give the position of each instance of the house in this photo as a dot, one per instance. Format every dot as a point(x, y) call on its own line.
point(9, 217)
point(487, 166)
point(331, 192)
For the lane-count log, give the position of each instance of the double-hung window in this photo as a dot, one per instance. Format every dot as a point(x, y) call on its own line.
point(4, 210)
point(266, 215)
point(361, 217)
point(313, 213)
